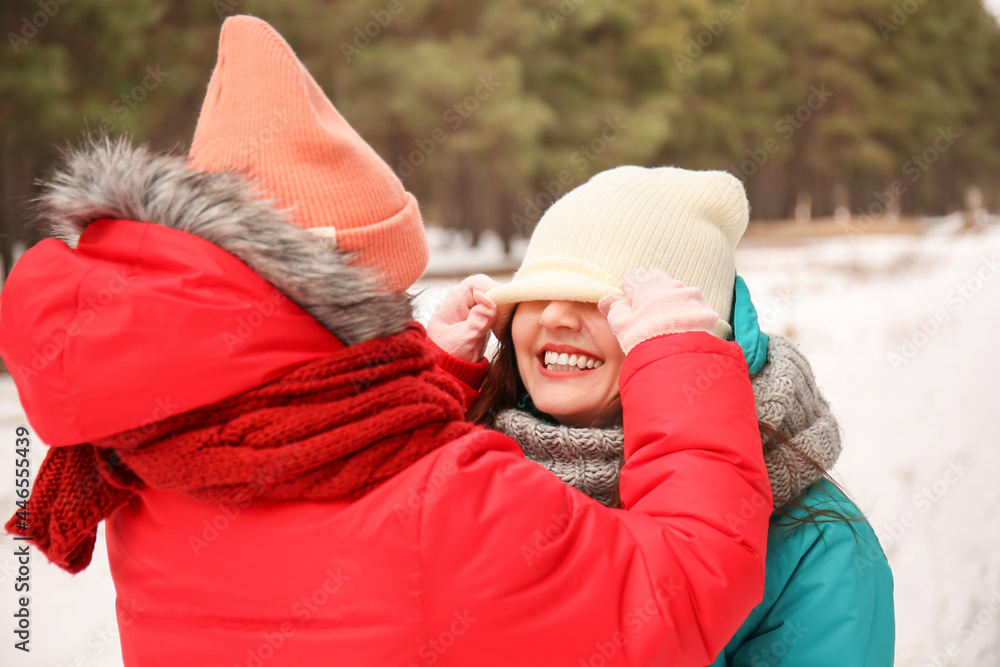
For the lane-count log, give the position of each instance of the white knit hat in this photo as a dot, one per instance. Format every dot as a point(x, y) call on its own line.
point(684, 222)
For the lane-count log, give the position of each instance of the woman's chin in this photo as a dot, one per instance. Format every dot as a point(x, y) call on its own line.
point(568, 413)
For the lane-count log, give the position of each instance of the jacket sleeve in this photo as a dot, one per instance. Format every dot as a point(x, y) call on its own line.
point(468, 373)
point(534, 572)
point(835, 609)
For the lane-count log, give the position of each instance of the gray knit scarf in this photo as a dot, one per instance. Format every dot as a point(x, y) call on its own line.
point(788, 400)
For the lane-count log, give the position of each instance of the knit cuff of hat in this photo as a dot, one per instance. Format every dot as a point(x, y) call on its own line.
point(397, 247)
point(568, 279)
point(557, 279)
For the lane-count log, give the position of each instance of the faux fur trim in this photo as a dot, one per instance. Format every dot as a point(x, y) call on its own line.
point(106, 178)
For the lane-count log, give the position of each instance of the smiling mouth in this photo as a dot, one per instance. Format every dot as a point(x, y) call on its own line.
point(564, 361)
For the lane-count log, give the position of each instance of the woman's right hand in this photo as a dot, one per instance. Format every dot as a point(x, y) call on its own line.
point(461, 324)
point(655, 304)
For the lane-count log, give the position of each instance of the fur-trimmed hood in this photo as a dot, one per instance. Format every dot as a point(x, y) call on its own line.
point(168, 289)
point(111, 178)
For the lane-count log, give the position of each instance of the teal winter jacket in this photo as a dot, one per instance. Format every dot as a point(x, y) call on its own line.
point(827, 594)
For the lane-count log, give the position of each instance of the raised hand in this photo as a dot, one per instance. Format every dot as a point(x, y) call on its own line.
point(461, 324)
point(655, 304)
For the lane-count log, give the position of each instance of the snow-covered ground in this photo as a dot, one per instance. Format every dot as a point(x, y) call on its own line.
point(900, 331)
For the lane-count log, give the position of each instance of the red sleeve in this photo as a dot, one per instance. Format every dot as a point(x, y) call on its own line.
point(541, 574)
point(468, 373)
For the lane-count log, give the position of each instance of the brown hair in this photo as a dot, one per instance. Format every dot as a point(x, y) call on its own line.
point(502, 387)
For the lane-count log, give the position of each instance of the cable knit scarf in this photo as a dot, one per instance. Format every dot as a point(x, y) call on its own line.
point(332, 429)
point(788, 400)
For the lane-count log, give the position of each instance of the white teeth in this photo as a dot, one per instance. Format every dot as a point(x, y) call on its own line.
point(561, 367)
point(555, 361)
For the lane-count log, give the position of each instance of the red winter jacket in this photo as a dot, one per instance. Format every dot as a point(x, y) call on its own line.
point(471, 556)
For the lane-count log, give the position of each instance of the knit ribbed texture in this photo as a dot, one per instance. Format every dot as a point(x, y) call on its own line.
point(588, 459)
point(787, 399)
point(684, 222)
point(265, 116)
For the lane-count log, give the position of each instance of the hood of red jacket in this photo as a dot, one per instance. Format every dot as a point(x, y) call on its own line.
point(119, 324)
point(141, 322)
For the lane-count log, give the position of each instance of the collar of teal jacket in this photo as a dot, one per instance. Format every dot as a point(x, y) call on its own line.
point(746, 329)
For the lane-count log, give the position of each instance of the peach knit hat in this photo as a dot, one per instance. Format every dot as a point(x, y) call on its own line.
point(265, 116)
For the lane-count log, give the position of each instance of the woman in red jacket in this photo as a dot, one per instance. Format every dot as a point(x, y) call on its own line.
point(221, 354)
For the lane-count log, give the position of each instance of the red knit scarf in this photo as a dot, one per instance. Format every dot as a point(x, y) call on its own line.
point(332, 429)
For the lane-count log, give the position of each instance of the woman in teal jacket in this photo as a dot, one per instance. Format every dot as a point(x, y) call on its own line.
point(827, 593)
point(828, 587)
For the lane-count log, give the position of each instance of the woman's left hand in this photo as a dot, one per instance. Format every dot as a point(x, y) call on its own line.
point(461, 324)
point(655, 304)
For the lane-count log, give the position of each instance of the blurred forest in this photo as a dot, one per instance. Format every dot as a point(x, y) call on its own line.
point(490, 110)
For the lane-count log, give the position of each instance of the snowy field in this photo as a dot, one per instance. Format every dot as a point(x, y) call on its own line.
point(900, 331)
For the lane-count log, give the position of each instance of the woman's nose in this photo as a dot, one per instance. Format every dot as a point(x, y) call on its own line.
point(561, 314)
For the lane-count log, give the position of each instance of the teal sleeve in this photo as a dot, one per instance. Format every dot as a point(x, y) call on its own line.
point(834, 607)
